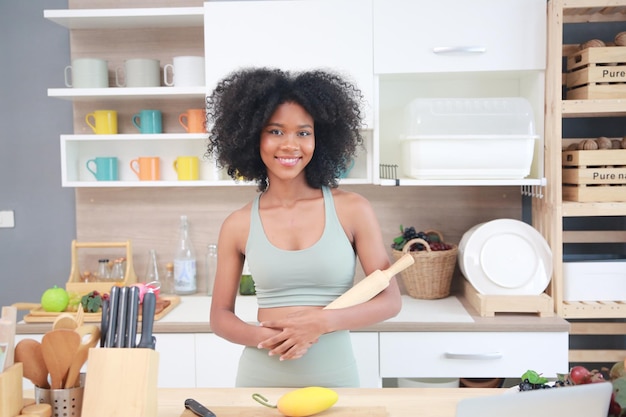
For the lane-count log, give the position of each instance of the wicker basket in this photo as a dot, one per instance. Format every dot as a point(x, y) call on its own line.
point(430, 276)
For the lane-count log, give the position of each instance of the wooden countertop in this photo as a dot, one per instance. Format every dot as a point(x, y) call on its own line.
point(398, 402)
point(451, 314)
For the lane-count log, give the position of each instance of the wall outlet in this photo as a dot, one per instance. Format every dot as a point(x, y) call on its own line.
point(7, 219)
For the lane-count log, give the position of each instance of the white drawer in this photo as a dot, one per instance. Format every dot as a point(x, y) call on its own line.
point(413, 36)
point(472, 354)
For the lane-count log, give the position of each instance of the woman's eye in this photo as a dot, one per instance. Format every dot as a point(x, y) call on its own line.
point(274, 132)
point(304, 133)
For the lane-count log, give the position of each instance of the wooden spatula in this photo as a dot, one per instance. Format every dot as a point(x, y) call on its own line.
point(90, 336)
point(59, 348)
point(28, 352)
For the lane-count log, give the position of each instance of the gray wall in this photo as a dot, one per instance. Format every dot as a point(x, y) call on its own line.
point(36, 253)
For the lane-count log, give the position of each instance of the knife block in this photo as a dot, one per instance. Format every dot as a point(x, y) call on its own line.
point(121, 382)
point(11, 394)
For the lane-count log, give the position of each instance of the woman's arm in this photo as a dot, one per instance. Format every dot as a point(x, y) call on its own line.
point(230, 258)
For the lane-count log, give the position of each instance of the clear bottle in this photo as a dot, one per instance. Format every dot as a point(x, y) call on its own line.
point(152, 270)
point(117, 272)
point(167, 286)
point(211, 267)
point(184, 262)
point(103, 274)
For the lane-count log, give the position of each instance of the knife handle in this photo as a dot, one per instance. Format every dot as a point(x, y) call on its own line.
point(122, 312)
point(104, 321)
point(114, 297)
point(147, 320)
point(133, 312)
point(197, 408)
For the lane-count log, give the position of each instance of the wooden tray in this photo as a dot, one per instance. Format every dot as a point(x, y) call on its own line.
point(490, 305)
point(262, 411)
point(164, 305)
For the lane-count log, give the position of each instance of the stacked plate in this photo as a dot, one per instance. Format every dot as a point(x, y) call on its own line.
point(505, 257)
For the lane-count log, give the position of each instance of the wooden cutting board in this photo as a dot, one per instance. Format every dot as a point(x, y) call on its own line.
point(262, 411)
point(164, 305)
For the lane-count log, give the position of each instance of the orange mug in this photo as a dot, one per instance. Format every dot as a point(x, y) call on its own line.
point(147, 168)
point(193, 120)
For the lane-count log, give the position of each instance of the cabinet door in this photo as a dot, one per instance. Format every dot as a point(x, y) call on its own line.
point(365, 346)
point(217, 361)
point(291, 35)
point(471, 354)
point(454, 35)
point(177, 360)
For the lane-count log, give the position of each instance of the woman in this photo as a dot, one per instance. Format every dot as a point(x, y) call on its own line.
point(294, 134)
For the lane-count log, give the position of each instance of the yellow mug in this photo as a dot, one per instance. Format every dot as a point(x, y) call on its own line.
point(187, 168)
point(146, 168)
point(102, 122)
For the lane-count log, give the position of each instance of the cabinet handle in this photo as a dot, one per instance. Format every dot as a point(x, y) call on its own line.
point(474, 356)
point(462, 50)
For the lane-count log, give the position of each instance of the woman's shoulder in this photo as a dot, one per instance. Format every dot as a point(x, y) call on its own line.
point(239, 217)
point(350, 203)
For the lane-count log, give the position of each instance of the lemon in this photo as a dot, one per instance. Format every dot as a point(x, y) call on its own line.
point(55, 299)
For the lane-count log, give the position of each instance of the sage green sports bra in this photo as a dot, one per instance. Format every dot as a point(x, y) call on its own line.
point(314, 276)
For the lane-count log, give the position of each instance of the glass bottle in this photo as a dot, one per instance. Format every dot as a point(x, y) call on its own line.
point(103, 273)
point(246, 284)
point(184, 262)
point(167, 286)
point(211, 267)
point(152, 270)
point(117, 272)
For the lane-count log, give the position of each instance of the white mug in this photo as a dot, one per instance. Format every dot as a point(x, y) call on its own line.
point(187, 71)
point(87, 73)
point(140, 72)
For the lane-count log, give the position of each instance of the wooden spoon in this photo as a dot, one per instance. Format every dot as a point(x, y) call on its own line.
point(28, 352)
point(65, 321)
point(59, 348)
point(90, 336)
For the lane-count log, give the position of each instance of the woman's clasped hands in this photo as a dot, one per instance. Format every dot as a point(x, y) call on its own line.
point(295, 334)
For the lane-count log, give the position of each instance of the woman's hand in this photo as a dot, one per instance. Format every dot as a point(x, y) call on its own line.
point(298, 332)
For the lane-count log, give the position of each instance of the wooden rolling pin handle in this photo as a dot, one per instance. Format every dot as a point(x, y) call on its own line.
point(400, 265)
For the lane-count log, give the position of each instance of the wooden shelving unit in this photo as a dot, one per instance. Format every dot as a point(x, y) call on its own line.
point(549, 213)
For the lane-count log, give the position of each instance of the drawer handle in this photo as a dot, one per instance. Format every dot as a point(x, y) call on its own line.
point(463, 50)
point(474, 356)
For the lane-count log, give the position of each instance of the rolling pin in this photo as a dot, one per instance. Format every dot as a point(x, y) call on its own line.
point(371, 285)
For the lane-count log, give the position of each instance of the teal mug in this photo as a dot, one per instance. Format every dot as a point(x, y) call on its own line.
point(347, 169)
point(103, 168)
point(148, 121)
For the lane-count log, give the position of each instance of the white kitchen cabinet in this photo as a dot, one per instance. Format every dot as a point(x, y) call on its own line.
point(366, 352)
point(419, 53)
point(471, 354)
point(177, 360)
point(216, 361)
point(420, 36)
point(294, 35)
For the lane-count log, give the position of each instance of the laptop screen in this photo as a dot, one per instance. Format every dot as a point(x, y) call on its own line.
point(589, 400)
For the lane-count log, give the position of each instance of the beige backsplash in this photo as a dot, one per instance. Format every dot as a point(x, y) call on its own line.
point(149, 217)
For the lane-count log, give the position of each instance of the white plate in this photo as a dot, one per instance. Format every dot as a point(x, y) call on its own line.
point(505, 257)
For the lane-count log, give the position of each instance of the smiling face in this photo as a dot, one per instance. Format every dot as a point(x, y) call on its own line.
point(288, 141)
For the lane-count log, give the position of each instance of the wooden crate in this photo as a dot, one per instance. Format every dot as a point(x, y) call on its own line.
point(594, 176)
point(597, 73)
point(490, 305)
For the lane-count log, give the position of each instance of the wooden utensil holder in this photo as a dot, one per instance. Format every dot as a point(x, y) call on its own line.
point(121, 382)
point(11, 394)
point(75, 282)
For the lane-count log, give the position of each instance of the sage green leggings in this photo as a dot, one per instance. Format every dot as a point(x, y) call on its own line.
point(328, 363)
